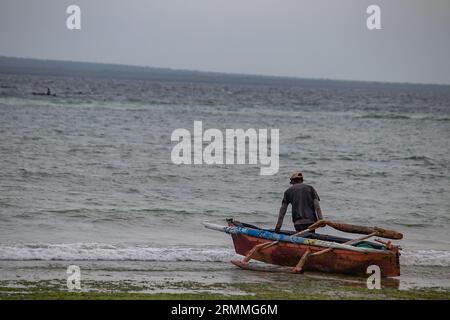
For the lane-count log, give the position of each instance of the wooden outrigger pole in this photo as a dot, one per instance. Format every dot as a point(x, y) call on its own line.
point(350, 228)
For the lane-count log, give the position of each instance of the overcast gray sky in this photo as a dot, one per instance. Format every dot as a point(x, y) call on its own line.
point(304, 38)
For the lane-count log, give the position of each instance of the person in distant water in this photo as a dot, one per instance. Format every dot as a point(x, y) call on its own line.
point(48, 91)
point(305, 204)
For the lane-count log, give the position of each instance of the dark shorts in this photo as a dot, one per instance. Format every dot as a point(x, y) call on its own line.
point(300, 227)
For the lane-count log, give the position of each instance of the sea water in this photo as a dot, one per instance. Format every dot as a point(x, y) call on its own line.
point(87, 175)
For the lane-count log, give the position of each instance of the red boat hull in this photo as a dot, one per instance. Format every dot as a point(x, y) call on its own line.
point(335, 261)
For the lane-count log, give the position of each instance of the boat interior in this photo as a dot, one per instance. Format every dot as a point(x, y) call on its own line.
point(318, 236)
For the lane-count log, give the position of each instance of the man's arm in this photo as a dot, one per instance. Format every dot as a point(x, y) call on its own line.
point(318, 209)
point(281, 215)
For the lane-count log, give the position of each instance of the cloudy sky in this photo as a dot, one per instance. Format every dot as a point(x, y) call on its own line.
point(303, 38)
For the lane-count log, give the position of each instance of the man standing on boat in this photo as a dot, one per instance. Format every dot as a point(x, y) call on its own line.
point(305, 204)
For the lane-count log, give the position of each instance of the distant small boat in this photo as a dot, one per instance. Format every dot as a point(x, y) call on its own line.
point(47, 93)
point(307, 250)
point(43, 94)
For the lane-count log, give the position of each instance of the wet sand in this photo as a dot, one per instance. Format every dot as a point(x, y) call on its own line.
point(210, 280)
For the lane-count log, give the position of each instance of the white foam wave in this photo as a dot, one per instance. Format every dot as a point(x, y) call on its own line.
point(425, 258)
point(108, 252)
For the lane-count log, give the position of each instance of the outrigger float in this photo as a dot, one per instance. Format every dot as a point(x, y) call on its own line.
point(307, 250)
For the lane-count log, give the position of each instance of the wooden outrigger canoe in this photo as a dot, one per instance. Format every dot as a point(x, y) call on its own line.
point(312, 251)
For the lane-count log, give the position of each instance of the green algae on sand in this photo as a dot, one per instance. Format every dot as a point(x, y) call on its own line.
point(193, 290)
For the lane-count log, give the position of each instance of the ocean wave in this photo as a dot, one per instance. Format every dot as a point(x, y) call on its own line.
point(436, 258)
point(383, 116)
point(425, 159)
point(109, 252)
point(442, 119)
point(437, 118)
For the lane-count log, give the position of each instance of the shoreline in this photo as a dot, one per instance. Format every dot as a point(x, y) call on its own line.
point(203, 280)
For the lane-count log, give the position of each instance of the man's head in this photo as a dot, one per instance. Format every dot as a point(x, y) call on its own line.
point(296, 177)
